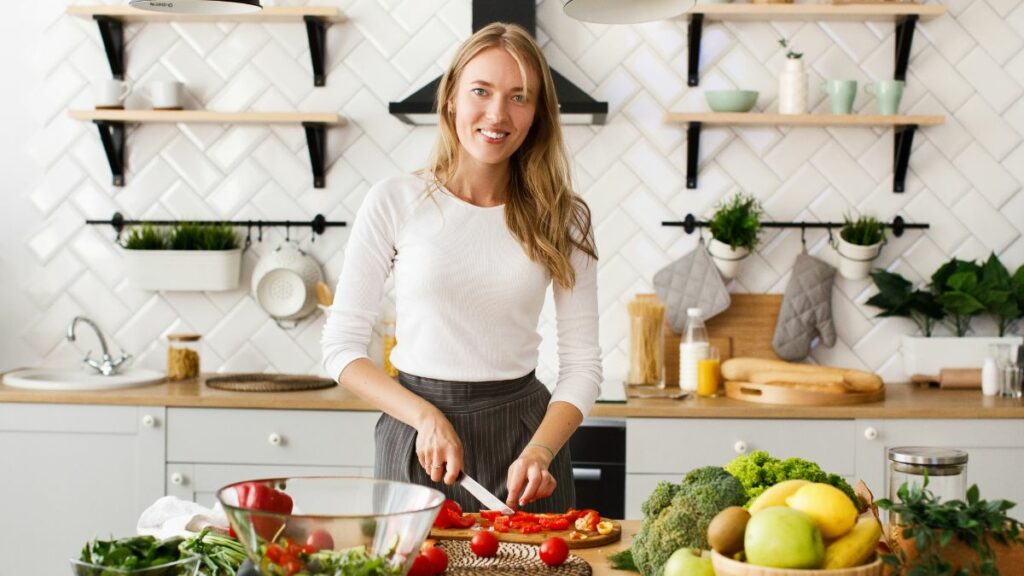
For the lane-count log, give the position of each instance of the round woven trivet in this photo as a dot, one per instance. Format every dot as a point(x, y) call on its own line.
point(268, 383)
point(512, 559)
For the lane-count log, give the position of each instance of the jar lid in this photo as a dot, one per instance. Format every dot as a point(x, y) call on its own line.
point(183, 337)
point(927, 456)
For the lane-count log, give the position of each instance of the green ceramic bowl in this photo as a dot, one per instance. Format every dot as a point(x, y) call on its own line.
point(731, 100)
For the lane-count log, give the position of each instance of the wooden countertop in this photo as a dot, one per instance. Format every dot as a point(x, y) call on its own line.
point(902, 401)
point(598, 557)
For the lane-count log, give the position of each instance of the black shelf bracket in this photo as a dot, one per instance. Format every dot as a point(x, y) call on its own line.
point(696, 29)
point(692, 153)
point(112, 33)
point(316, 30)
point(898, 225)
point(903, 140)
point(904, 39)
point(112, 137)
point(316, 142)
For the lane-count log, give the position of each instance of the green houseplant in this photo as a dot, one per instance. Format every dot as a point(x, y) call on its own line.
point(189, 256)
point(734, 227)
point(898, 298)
point(860, 242)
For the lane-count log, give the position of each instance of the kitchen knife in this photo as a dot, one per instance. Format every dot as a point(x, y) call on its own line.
point(490, 501)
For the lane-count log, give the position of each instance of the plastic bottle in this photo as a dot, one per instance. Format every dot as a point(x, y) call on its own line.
point(692, 349)
point(989, 377)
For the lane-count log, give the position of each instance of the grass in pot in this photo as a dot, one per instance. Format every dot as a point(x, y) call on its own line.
point(860, 242)
point(734, 227)
point(190, 256)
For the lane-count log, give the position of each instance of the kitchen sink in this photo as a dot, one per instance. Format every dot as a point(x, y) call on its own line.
point(64, 379)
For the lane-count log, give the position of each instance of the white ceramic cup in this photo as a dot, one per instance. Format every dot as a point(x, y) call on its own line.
point(110, 92)
point(165, 94)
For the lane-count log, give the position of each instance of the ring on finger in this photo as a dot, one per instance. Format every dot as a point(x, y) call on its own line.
point(436, 466)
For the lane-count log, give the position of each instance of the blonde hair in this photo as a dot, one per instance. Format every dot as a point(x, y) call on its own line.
point(542, 211)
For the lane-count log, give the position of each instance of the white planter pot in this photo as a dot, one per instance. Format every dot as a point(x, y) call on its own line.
point(855, 260)
point(927, 356)
point(212, 270)
point(793, 87)
point(727, 259)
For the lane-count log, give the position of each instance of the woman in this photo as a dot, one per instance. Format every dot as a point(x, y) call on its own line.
point(474, 242)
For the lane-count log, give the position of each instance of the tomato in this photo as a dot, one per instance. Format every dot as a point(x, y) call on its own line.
point(484, 544)
point(438, 559)
point(274, 553)
point(421, 566)
point(501, 523)
point(291, 565)
point(554, 551)
point(319, 539)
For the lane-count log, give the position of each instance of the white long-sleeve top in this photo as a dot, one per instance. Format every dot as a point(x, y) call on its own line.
point(468, 299)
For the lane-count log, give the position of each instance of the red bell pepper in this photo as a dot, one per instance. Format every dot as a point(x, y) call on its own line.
point(450, 516)
point(259, 496)
point(501, 523)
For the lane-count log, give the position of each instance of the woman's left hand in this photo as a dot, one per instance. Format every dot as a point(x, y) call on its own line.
point(528, 477)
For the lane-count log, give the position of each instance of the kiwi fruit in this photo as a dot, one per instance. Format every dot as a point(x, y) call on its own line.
point(725, 533)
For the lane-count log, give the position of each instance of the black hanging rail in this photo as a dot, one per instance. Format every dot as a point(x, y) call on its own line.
point(898, 225)
point(318, 224)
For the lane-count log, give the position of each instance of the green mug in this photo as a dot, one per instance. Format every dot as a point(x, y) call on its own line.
point(841, 93)
point(888, 94)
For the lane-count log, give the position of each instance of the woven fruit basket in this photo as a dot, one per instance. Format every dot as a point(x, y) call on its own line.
point(725, 566)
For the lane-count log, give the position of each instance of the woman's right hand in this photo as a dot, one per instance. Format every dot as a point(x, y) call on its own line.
point(439, 448)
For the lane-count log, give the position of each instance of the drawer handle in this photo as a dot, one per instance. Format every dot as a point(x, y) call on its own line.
point(178, 479)
point(740, 447)
point(275, 439)
point(871, 432)
point(586, 474)
point(149, 421)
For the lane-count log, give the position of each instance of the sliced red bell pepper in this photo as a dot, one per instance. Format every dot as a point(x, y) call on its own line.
point(450, 516)
point(501, 523)
point(490, 514)
point(259, 496)
point(556, 523)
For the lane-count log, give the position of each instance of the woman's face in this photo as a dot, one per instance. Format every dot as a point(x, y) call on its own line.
point(493, 113)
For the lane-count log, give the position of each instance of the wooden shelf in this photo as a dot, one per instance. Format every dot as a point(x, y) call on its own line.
point(205, 117)
point(276, 14)
point(770, 119)
point(857, 12)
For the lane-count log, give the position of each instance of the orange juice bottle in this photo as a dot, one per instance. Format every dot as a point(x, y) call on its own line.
point(709, 374)
point(389, 344)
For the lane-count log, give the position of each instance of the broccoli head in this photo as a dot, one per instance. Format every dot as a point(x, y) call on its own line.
point(758, 471)
point(677, 515)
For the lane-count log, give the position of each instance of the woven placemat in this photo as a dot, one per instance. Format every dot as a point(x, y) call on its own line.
point(512, 559)
point(268, 383)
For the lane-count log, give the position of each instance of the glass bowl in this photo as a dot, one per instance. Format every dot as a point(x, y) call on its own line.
point(377, 525)
point(184, 567)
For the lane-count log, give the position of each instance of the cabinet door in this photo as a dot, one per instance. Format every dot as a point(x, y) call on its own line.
point(74, 473)
point(995, 451)
point(200, 482)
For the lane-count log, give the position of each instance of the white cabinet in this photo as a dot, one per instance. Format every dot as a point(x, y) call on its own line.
point(73, 473)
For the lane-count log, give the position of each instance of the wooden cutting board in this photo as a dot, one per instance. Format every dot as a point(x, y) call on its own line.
point(772, 394)
point(593, 540)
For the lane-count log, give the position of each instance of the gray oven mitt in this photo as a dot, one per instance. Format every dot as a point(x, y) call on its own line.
point(806, 309)
point(693, 281)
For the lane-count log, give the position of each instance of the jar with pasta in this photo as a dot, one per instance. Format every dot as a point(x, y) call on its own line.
point(182, 356)
point(646, 348)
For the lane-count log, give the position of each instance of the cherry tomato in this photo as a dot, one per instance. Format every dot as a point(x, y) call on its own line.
point(274, 553)
point(291, 565)
point(438, 559)
point(484, 544)
point(554, 551)
point(421, 566)
point(320, 539)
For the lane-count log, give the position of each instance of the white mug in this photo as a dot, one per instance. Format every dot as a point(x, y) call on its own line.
point(165, 94)
point(110, 92)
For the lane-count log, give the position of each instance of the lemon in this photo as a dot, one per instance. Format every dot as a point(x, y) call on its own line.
point(829, 507)
point(776, 495)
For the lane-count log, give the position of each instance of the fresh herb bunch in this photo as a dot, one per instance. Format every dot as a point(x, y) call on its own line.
point(897, 297)
point(737, 222)
point(144, 238)
point(219, 555)
point(932, 525)
point(789, 51)
point(131, 553)
point(864, 231)
point(193, 236)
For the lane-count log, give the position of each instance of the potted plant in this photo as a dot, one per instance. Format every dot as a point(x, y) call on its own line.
point(188, 257)
point(860, 242)
point(1003, 294)
point(792, 82)
point(734, 229)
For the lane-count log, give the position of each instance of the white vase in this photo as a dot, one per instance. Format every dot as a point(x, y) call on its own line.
point(188, 270)
point(855, 260)
point(793, 87)
point(726, 259)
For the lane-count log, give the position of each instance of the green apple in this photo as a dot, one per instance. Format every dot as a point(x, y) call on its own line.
point(687, 562)
point(781, 537)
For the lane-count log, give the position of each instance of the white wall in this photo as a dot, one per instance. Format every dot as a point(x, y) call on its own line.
point(965, 177)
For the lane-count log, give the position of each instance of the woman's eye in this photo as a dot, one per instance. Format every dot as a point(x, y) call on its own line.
point(519, 98)
point(479, 91)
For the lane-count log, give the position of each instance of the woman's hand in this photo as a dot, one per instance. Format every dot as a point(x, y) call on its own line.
point(439, 448)
point(528, 477)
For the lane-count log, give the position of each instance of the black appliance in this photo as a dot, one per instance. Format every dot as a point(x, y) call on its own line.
point(598, 451)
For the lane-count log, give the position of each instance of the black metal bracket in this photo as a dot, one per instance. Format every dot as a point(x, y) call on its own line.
point(316, 142)
point(316, 30)
point(898, 225)
point(318, 224)
point(904, 39)
point(696, 29)
point(903, 140)
point(112, 33)
point(692, 153)
point(112, 137)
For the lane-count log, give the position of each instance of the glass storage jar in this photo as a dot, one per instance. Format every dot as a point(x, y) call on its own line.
point(182, 356)
point(945, 468)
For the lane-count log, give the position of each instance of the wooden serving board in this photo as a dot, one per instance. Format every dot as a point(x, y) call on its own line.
point(774, 394)
point(593, 539)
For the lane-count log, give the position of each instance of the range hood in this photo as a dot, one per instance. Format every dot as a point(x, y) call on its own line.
point(575, 105)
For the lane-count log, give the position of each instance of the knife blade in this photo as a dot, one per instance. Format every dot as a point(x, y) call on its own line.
point(490, 501)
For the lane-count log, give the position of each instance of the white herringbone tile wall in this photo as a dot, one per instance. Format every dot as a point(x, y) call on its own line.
point(965, 177)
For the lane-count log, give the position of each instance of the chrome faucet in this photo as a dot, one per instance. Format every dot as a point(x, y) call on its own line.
point(107, 366)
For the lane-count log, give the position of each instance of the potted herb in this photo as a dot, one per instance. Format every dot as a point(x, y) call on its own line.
point(928, 537)
point(792, 82)
point(190, 256)
point(1002, 294)
point(860, 242)
point(734, 229)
